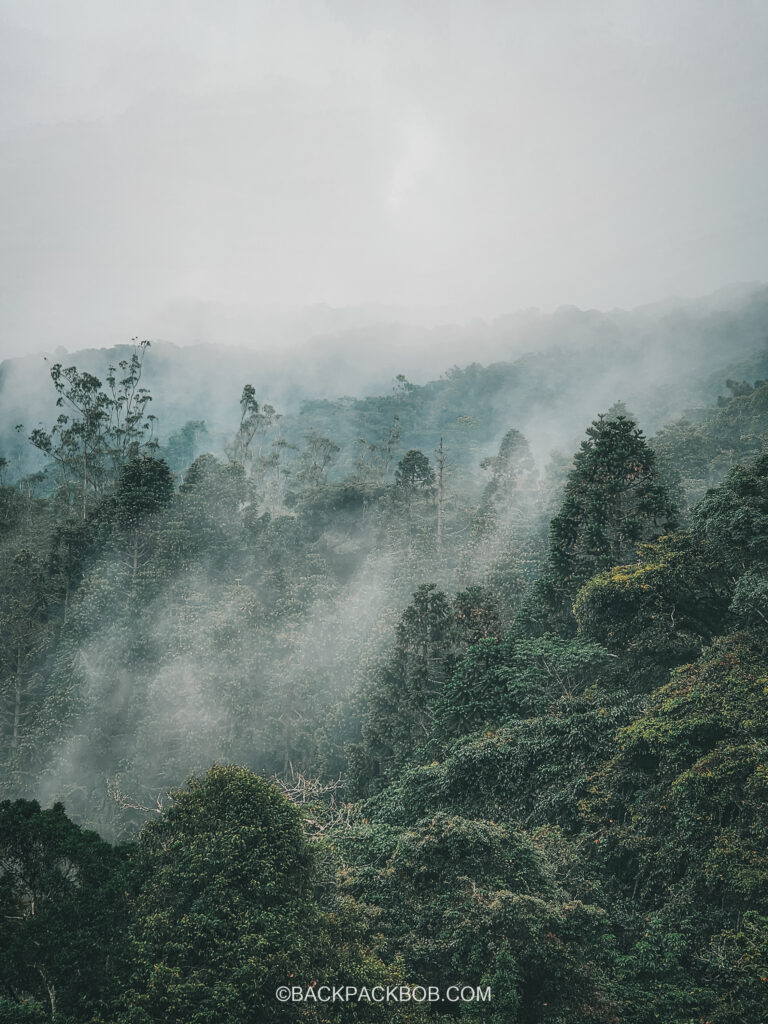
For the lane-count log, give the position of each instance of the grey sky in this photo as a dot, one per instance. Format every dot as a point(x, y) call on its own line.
point(164, 158)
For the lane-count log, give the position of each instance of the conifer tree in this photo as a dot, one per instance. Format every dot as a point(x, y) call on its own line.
point(614, 500)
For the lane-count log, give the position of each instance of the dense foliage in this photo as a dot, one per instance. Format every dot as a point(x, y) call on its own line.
point(277, 716)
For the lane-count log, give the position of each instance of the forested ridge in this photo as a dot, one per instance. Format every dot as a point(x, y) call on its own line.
point(377, 692)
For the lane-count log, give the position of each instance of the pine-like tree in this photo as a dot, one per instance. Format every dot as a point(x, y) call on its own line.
point(614, 500)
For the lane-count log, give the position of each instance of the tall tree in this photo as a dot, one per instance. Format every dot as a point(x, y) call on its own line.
point(255, 423)
point(440, 461)
point(144, 487)
point(414, 476)
point(512, 478)
point(614, 500)
point(408, 686)
point(99, 429)
point(317, 455)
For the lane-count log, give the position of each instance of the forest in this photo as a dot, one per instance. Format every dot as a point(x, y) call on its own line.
point(431, 687)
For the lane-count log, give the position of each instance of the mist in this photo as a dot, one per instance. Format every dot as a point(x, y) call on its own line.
point(245, 174)
point(383, 509)
point(251, 618)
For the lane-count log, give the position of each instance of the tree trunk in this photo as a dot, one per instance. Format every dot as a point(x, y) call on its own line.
point(440, 468)
point(85, 486)
point(51, 989)
point(17, 703)
point(135, 553)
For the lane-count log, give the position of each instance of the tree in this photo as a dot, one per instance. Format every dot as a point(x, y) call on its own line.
point(614, 500)
point(101, 428)
point(374, 460)
point(402, 388)
point(316, 457)
point(440, 462)
point(61, 898)
point(733, 519)
point(182, 446)
point(214, 496)
point(678, 821)
point(414, 476)
point(500, 680)
point(408, 684)
point(658, 612)
point(255, 422)
point(504, 529)
point(26, 703)
point(470, 897)
point(144, 487)
point(507, 494)
point(224, 912)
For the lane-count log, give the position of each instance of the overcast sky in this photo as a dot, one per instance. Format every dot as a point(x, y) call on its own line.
point(164, 158)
